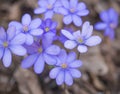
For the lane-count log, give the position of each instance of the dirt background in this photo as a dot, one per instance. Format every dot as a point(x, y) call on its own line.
point(101, 65)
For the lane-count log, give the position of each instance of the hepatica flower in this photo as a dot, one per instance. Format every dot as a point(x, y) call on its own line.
point(39, 54)
point(72, 11)
point(66, 68)
point(49, 26)
point(81, 39)
point(109, 22)
point(28, 27)
point(48, 7)
point(10, 43)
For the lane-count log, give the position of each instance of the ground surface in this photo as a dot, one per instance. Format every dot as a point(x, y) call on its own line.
point(101, 65)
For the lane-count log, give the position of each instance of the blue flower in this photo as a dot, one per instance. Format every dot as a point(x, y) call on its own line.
point(49, 7)
point(49, 26)
point(28, 27)
point(81, 39)
point(10, 43)
point(72, 11)
point(65, 68)
point(41, 53)
point(109, 22)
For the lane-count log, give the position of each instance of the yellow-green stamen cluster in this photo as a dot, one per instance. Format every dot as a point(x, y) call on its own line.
point(25, 28)
point(5, 44)
point(64, 65)
point(40, 50)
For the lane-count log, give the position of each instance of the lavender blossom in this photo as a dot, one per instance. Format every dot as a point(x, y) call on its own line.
point(41, 53)
point(73, 11)
point(28, 27)
point(81, 39)
point(49, 7)
point(49, 26)
point(65, 68)
point(109, 22)
point(11, 43)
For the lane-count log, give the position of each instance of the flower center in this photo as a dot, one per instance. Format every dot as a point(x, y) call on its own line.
point(40, 50)
point(64, 65)
point(5, 44)
point(72, 10)
point(49, 6)
point(80, 40)
point(47, 29)
point(112, 25)
point(25, 28)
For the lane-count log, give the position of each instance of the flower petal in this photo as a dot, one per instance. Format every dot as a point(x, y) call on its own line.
point(69, 44)
point(104, 16)
point(77, 34)
point(11, 32)
point(77, 20)
point(60, 78)
point(62, 11)
point(17, 25)
point(68, 78)
point(2, 33)
point(39, 10)
point(47, 39)
point(65, 3)
point(35, 23)
point(7, 58)
point(73, 3)
point(81, 6)
point(50, 60)
point(29, 39)
point(113, 15)
point(75, 73)
point(53, 50)
point(51, 1)
point(71, 57)
point(90, 31)
point(110, 33)
point(18, 50)
point(26, 19)
point(67, 34)
point(1, 52)
point(82, 48)
point(100, 26)
point(62, 56)
point(83, 12)
point(49, 14)
point(67, 19)
point(42, 3)
point(93, 41)
point(18, 39)
point(36, 32)
point(29, 61)
point(39, 65)
point(75, 64)
point(54, 72)
point(85, 28)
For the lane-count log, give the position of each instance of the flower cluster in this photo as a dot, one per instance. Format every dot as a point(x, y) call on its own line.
point(109, 22)
point(34, 39)
point(71, 10)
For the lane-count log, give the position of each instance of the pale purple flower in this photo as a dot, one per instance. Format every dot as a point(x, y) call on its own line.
point(72, 11)
point(66, 68)
point(48, 7)
point(49, 25)
point(81, 39)
point(28, 27)
point(11, 43)
point(41, 54)
point(109, 22)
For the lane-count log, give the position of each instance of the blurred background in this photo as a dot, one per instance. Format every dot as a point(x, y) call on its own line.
point(101, 64)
